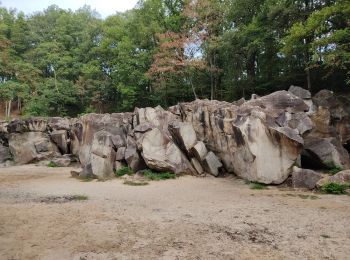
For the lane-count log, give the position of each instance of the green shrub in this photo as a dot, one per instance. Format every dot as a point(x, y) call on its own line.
point(257, 186)
point(123, 171)
point(332, 168)
point(335, 188)
point(157, 176)
point(52, 164)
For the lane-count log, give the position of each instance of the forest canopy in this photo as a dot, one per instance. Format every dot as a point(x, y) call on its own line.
point(62, 63)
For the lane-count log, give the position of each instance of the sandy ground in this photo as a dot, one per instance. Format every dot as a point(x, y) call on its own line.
point(186, 218)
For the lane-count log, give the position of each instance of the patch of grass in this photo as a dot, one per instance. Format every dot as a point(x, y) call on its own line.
point(135, 183)
point(52, 164)
point(123, 171)
point(157, 176)
point(80, 197)
point(325, 236)
point(332, 168)
point(335, 188)
point(86, 179)
point(257, 186)
point(303, 196)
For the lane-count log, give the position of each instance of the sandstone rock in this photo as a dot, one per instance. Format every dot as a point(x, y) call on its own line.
point(303, 178)
point(85, 127)
point(245, 138)
point(86, 172)
point(61, 161)
point(300, 92)
point(199, 151)
point(132, 156)
point(120, 155)
point(212, 164)
point(102, 155)
point(4, 154)
point(331, 116)
point(326, 151)
point(30, 146)
point(183, 134)
point(342, 177)
point(60, 138)
point(161, 154)
point(197, 166)
point(118, 165)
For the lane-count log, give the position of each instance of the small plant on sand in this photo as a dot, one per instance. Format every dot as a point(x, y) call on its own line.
point(335, 188)
point(332, 168)
point(257, 186)
point(123, 171)
point(325, 236)
point(52, 164)
point(135, 183)
point(80, 197)
point(157, 176)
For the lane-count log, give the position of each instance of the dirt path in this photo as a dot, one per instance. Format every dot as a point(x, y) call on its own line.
point(187, 218)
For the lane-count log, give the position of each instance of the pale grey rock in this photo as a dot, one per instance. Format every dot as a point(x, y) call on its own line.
point(304, 178)
point(160, 153)
point(212, 164)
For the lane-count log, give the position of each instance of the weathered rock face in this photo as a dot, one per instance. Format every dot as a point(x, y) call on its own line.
point(303, 178)
point(84, 129)
point(259, 140)
point(161, 153)
point(332, 116)
point(325, 152)
point(342, 177)
point(102, 155)
point(4, 153)
point(31, 146)
point(246, 137)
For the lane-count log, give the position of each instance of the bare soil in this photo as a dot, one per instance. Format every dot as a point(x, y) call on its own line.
point(186, 218)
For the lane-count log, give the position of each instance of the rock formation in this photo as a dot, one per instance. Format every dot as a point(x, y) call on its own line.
point(260, 140)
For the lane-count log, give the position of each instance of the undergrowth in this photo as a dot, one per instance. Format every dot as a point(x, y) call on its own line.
point(52, 164)
point(332, 168)
point(124, 171)
point(257, 186)
point(157, 176)
point(335, 188)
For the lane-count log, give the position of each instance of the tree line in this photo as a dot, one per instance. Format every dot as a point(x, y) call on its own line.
point(62, 63)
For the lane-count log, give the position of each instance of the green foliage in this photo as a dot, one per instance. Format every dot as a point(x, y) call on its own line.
point(332, 168)
point(135, 183)
point(51, 164)
point(79, 197)
point(123, 171)
point(335, 188)
point(257, 186)
point(157, 176)
point(62, 63)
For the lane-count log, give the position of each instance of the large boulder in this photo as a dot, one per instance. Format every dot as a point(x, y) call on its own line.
point(183, 134)
point(31, 146)
point(248, 137)
point(161, 154)
point(342, 177)
point(304, 178)
point(325, 152)
point(102, 155)
point(60, 138)
point(84, 128)
point(331, 116)
point(132, 156)
point(4, 153)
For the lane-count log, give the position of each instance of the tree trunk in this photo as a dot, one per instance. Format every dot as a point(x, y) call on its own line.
point(9, 109)
point(308, 78)
point(193, 89)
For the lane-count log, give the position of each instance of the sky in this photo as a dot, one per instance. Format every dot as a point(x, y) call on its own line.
point(103, 7)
